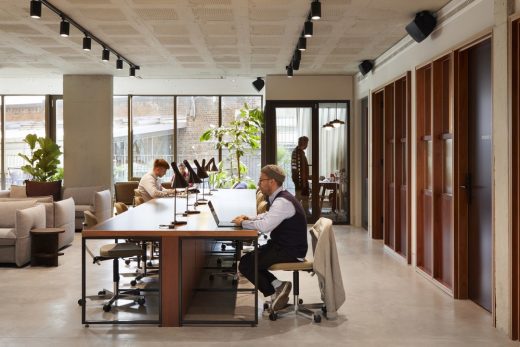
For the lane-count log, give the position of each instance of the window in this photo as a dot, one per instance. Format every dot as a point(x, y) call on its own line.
point(152, 128)
point(23, 115)
point(120, 138)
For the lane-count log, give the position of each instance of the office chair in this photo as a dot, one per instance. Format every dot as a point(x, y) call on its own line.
point(120, 207)
point(114, 252)
point(297, 307)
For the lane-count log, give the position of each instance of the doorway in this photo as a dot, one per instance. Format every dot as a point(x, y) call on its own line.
point(326, 126)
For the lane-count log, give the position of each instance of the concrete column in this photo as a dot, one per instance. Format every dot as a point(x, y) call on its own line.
point(87, 123)
point(502, 213)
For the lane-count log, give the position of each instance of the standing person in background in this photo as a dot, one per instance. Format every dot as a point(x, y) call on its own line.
point(300, 172)
point(150, 184)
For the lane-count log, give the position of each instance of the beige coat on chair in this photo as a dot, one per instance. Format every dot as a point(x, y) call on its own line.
point(326, 266)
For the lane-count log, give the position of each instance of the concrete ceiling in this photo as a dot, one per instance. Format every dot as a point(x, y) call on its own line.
point(202, 38)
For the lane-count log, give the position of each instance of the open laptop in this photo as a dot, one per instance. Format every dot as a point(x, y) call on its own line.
point(220, 224)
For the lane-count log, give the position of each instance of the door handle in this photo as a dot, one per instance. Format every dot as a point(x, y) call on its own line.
point(467, 186)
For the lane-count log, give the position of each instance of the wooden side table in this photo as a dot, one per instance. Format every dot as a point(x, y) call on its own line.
point(44, 246)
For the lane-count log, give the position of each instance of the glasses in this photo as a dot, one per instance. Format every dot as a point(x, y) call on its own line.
point(263, 179)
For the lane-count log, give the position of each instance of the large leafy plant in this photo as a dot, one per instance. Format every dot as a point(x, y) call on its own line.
point(42, 163)
point(238, 137)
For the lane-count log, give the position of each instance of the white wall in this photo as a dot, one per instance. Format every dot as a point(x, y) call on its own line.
point(326, 87)
point(465, 23)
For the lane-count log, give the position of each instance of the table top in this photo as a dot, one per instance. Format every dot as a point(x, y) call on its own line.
point(145, 219)
point(47, 230)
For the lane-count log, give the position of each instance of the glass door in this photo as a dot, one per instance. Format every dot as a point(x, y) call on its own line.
point(294, 152)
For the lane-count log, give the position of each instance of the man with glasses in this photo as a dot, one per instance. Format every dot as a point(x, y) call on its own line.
point(287, 225)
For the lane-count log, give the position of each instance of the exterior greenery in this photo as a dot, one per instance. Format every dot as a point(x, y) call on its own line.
point(44, 159)
point(239, 136)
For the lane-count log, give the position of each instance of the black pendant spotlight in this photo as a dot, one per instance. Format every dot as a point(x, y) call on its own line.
point(316, 10)
point(87, 43)
point(64, 28)
point(36, 9)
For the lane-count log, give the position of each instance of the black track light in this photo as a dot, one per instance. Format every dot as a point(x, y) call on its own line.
point(64, 28)
point(132, 71)
point(87, 43)
point(258, 84)
point(302, 43)
point(307, 29)
point(105, 56)
point(36, 9)
point(289, 71)
point(119, 63)
point(297, 55)
point(295, 65)
point(316, 10)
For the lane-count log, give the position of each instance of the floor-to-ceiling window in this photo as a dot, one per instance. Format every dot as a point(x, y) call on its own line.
point(22, 115)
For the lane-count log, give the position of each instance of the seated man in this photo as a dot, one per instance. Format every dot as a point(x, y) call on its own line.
point(150, 185)
point(287, 224)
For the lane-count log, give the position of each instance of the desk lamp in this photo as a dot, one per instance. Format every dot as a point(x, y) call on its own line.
point(212, 169)
point(178, 182)
point(193, 179)
point(201, 172)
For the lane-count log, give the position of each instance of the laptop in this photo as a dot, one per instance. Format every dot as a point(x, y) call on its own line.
point(219, 223)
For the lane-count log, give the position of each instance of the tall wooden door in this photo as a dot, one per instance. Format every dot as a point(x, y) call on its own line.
point(364, 162)
point(478, 186)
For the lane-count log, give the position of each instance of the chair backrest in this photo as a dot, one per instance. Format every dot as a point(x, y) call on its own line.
point(138, 199)
point(90, 220)
point(322, 226)
point(124, 191)
point(120, 207)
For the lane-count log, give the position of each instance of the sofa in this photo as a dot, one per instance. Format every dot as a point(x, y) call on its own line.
point(94, 199)
point(19, 215)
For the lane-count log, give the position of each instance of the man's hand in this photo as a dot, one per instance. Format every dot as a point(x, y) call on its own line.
point(239, 219)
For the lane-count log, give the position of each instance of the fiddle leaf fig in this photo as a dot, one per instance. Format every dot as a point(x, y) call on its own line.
point(42, 163)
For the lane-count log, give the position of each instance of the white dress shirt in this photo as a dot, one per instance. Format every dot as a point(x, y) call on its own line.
point(280, 210)
point(151, 188)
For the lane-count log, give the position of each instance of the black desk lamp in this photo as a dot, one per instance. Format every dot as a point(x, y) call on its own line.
point(212, 169)
point(178, 182)
point(193, 179)
point(201, 172)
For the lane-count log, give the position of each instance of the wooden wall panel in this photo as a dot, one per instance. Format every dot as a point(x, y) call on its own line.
point(376, 202)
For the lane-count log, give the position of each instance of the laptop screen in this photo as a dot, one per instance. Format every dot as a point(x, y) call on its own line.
point(213, 212)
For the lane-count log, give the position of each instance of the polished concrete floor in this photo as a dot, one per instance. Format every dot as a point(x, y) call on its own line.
point(388, 304)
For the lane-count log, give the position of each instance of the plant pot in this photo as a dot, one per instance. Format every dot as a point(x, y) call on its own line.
point(34, 188)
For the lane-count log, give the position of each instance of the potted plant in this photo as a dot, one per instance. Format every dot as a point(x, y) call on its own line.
point(42, 165)
point(240, 136)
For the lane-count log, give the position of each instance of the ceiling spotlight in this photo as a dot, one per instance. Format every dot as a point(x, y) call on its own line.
point(295, 65)
point(316, 10)
point(132, 71)
point(36, 9)
point(302, 43)
point(307, 28)
point(119, 63)
point(87, 43)
point(258, 84)
point(289, 71)
point(64, 28)
point(297, 55)
point(105, 56)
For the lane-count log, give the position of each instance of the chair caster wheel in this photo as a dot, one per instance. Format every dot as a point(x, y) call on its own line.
point(266, 306)
point(102, 293)
point(273, 316)
point(223, 247)
point(219, 262)
point(300, 301)
point(141, 301)
point(317, 318)
point(133, 283)
point(127, 261)
point(324, 309)
point(211, 277)
point(149, 263)
point(107, 308)
point(81, 302)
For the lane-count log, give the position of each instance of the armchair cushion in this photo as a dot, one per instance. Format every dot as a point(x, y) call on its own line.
point(8, 211)
point(103, 205)
point(29, 218)
point(7, 237)
point(64, 218)
point(18, 192)
point(81, 195)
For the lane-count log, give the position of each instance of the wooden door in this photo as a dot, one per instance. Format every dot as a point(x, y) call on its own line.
point(478, 181)
point(377, 165)
point(364, 162)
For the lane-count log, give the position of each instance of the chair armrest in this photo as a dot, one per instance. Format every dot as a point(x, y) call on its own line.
point(5, 193)
point(103, 205)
